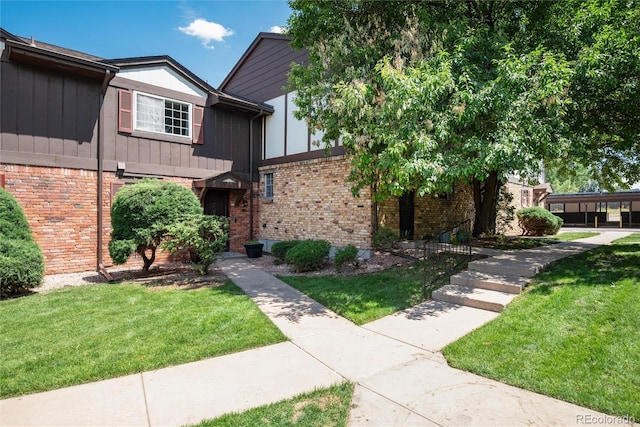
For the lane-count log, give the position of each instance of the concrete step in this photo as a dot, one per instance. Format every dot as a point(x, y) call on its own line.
point(492, 281)
point(469, 296)
point(506, 266)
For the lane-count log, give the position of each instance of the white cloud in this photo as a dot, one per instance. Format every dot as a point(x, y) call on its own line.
point(206, 31)
point(276, 29)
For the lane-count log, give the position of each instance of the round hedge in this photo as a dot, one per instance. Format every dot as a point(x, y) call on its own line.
point(308, 255)
point(537, 221)
point(21, 260)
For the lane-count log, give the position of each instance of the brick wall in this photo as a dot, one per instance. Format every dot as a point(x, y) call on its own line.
point(522, 198)
point(312, 200)
point(431, 214)
point(60, 206)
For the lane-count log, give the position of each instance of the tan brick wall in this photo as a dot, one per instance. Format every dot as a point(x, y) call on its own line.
point(522, 197)
point(432, 214)
point(312, 200)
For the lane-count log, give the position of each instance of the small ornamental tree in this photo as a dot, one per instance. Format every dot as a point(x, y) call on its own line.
point(205, 235)
point(21, 260)
point(141, 215)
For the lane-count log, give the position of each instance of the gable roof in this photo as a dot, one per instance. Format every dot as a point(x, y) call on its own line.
point(217, 96)
point(261, 72)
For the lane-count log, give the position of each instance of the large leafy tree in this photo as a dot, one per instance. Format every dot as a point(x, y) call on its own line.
point(428, 94)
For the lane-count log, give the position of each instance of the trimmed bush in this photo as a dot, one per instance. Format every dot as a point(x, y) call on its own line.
point(308, 255)
point(537, 221)
point(279, 250)
point(13, 223)
point(343, 256)
point(204, 235)
point(21, 260)
point(141, 214)
point(384, 238)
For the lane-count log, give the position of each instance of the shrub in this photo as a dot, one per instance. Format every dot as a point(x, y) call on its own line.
point(308, 255)
point(343, 256)
point(141, 214)
point(279, 250)
point(205, 235)
point(13, 223)
point(537, 221)
point(21, 266)
point(385, 238)
point(21, 260)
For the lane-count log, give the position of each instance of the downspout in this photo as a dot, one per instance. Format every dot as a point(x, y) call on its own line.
point(260, 114)
point(100, 267)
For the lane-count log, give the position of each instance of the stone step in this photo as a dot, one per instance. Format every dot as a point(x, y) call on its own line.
point(491, 281)
point(507, 267)
point(469, 296)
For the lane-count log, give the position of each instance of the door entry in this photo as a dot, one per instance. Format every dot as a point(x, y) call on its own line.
point(216, 202)
point(407, 208)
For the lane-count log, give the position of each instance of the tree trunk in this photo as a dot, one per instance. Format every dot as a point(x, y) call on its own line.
point(147, 260)
point(485, 198)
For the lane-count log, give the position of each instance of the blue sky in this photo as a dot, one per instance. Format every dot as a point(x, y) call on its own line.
point(207, 37)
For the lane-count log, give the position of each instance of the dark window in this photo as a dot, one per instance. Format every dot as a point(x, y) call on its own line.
point(268, 185)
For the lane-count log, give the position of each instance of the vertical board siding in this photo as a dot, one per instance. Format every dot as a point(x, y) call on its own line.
point(25, 111)
point(9, 94)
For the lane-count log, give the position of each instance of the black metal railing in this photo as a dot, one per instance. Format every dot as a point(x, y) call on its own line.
point(445, 253)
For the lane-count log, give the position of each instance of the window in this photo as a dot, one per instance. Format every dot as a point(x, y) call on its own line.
point(156, 114)
point(268, 185)
point(601, 206)
point(556, 207)
point(625, 206)
point(525, 198)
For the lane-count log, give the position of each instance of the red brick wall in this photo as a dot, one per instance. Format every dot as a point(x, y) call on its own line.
point(60, 206)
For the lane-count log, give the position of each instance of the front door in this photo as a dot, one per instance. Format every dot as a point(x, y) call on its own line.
point(216, 202)
point(407, 209)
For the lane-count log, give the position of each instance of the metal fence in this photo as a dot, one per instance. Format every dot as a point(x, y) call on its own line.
point(445, 253)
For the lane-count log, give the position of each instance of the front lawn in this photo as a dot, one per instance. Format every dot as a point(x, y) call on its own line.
point(573, 334)
point(322, 408)
point(631, 238)
point(94, 332)
point(575, 235)
point(367, 297)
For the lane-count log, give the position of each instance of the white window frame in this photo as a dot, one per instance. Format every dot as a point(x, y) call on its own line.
point(188, 127)
point(268, 185)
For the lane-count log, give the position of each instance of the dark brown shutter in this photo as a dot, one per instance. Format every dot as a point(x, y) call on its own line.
point(198, 130)
point(125, 111)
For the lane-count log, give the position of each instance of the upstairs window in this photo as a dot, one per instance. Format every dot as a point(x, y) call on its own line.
point(162, 115)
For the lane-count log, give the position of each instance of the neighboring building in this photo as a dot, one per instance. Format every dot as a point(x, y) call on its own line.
point(74, 128)
point(304, 193)
point(618, 209)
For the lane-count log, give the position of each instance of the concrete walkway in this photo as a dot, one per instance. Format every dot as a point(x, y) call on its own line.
point(401, 378)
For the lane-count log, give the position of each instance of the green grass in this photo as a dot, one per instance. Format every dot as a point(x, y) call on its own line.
point(322, 408)
point(631, 238)
point(575, 235)
point(367, 297)
point(574, 334)
point(510, 243)
point(90, 333)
